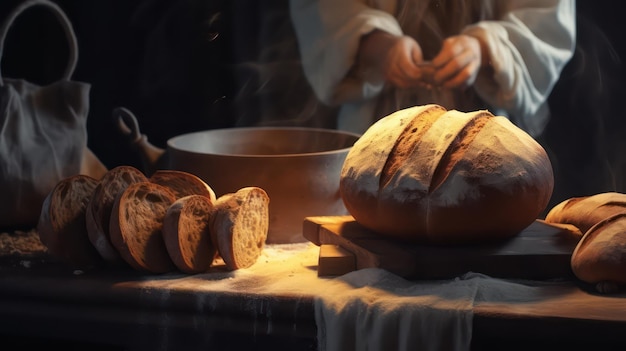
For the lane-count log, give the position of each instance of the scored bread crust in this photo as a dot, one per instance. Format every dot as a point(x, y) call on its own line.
point(61, 226)
point(586, 211)
point(186, 232)
point(600, 255)
point(136, 226)
point(98, 213)
point(239, 226)
point(183, 183)
point(461, 177)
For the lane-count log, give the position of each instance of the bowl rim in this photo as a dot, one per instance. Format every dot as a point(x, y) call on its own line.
point(171, 143)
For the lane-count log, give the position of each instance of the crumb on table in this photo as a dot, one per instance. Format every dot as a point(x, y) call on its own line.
point(21, 243)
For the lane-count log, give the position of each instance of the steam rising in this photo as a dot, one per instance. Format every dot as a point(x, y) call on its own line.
point(585, 137)
point(271, 87)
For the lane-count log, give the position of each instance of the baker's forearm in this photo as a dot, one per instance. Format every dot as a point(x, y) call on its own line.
point(373, 48)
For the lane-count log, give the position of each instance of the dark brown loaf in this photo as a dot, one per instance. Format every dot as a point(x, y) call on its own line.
point(186, 233)
point(98, 213)
point(239, 226)
point(600, 256)
point(586, 211)
point(183, 183)
point(136, 226)
point(424, 174)
point(62, 228)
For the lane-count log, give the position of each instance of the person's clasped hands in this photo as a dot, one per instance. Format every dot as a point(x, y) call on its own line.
point(456, 66)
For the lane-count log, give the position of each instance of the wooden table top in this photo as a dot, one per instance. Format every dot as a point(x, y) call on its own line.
point(276, 296)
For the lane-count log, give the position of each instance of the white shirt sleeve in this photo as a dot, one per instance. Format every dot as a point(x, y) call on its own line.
point(528, 49)
point(328, 44)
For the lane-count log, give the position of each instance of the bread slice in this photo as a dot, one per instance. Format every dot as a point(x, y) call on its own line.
point(239, 226)
point(98, 212)
point(136, 226)
point(183, 183)
point(187, 235)
point(61, 226)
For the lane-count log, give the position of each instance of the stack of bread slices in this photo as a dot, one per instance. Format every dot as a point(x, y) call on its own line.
point(170, 221)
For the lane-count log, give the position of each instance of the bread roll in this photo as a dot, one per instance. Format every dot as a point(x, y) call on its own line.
point(186, 233)
point(424, 174)
point(600, 256)
point(239, 226)
point(586, 211)
point(183, 183)
point(136, 226)
point(62, 228)
point(98, 212)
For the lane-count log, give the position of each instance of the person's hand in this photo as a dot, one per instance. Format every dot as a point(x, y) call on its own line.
point(458, 62)
point(401, 65)
point(396, 59)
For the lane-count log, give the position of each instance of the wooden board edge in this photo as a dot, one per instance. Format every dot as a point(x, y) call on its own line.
point(327, 231)
point(311, 226)
point(334, 260)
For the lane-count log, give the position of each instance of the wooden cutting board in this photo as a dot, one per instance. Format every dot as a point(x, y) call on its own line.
point(541, 251)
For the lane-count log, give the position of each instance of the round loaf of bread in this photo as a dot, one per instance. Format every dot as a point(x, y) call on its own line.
point(62, 228)
point(428, 175)
point(137, 223)
point(600, 256)
point(239, 226)
point(187, 235)
point(586, 211)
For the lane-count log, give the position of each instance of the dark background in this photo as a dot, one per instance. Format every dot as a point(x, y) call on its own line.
point(179, 66)
point(190, 65)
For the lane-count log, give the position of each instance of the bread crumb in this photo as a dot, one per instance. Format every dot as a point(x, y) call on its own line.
point(21, 243)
